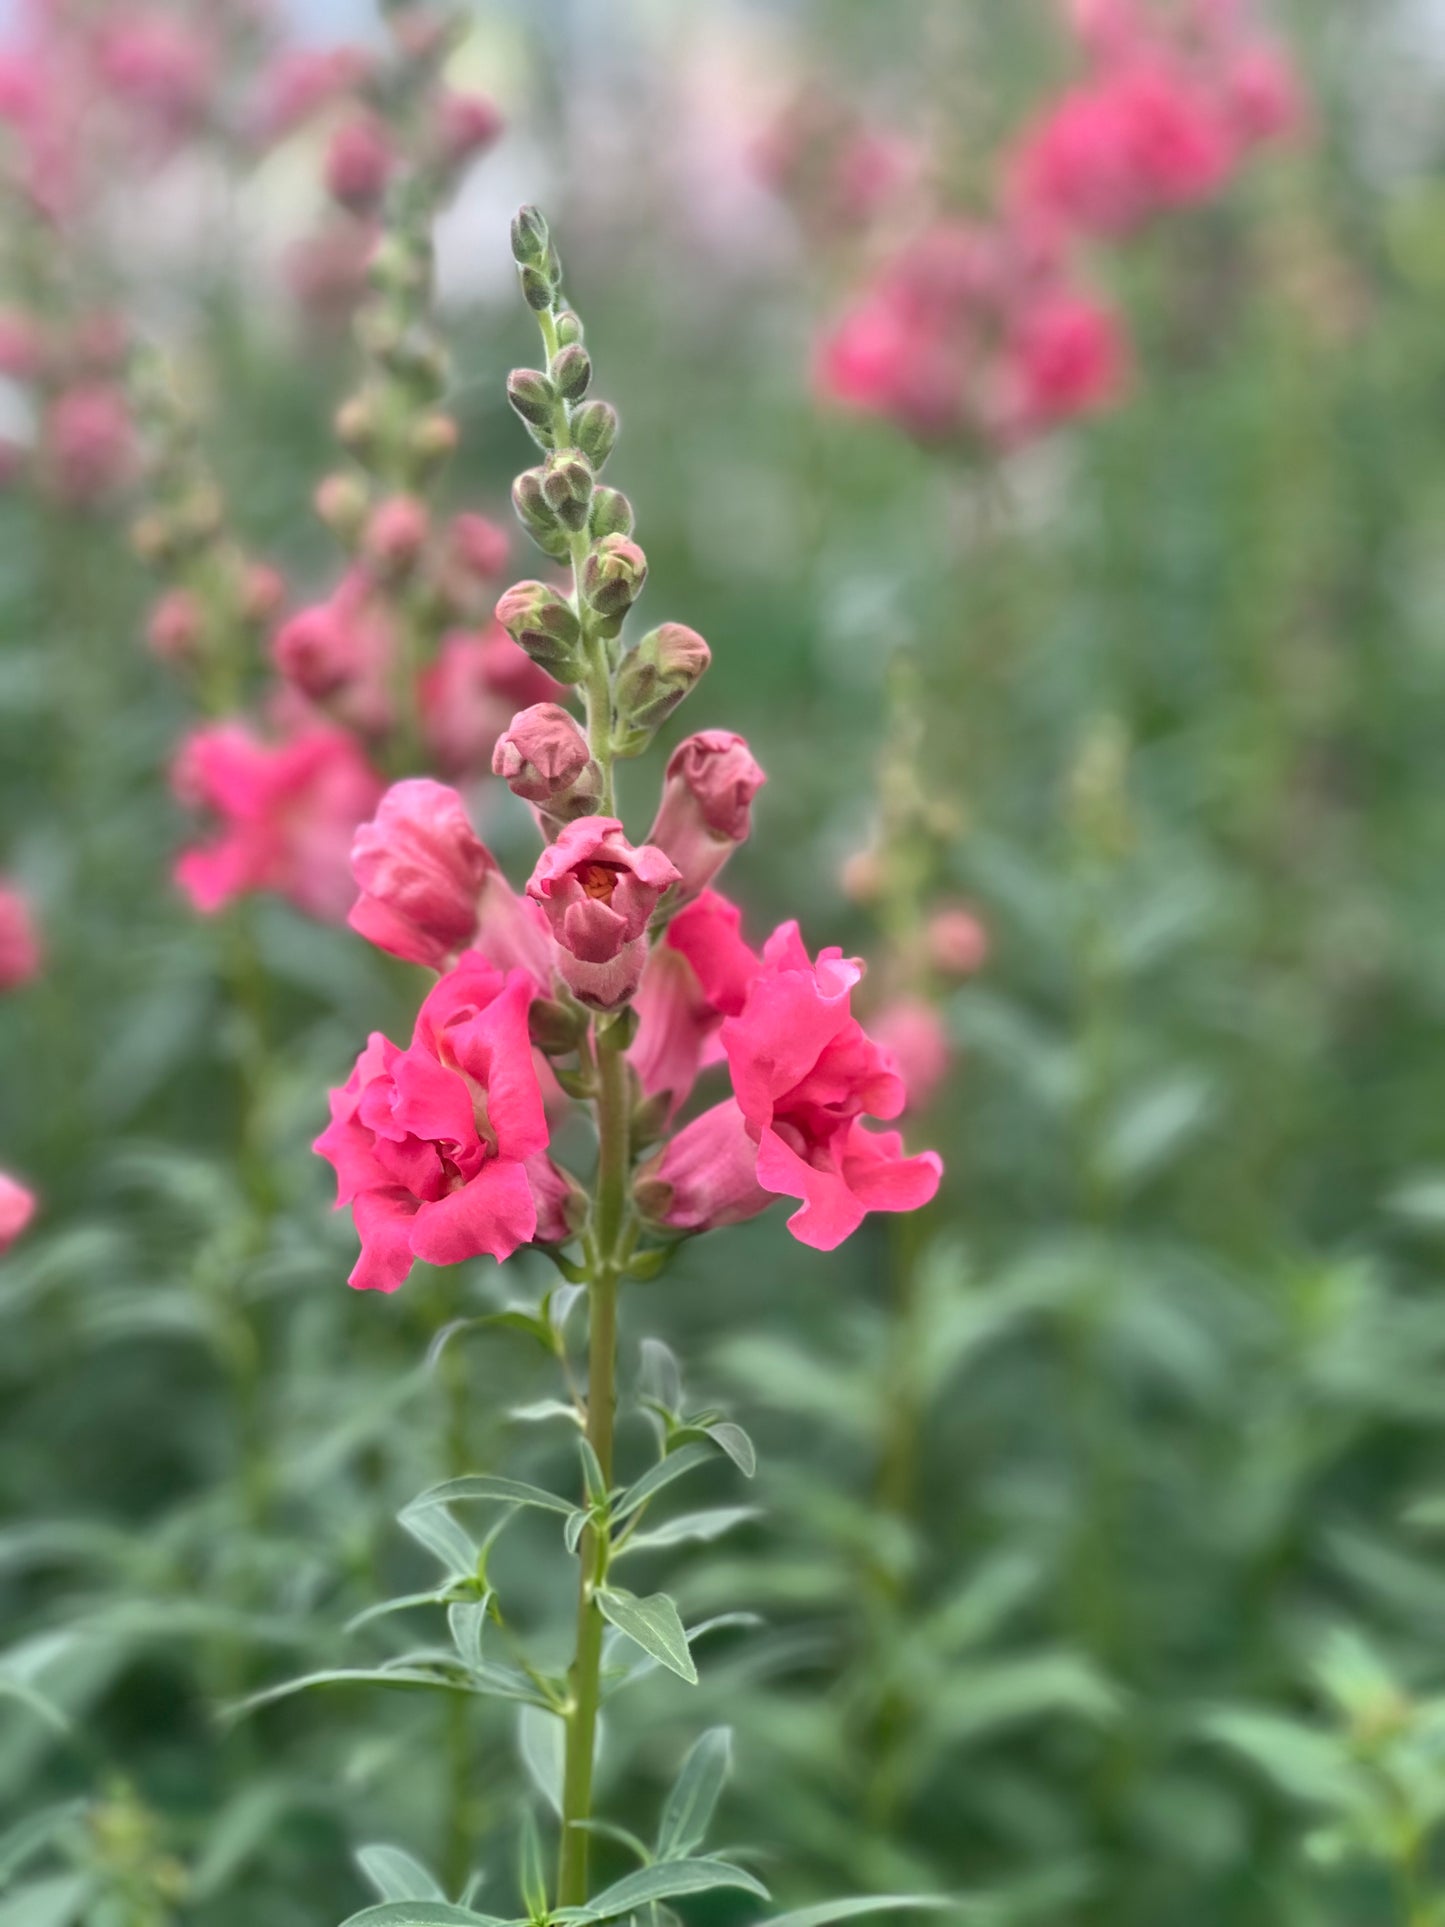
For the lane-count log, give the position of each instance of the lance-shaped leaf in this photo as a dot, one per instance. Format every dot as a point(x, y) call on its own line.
point(481, 1485)
point(824, 1912)
point(396, 1875)
point(667, 1880)
point(653, 1624)
point(421, 1913)
point(674, 1466)
point(689, 1806)
point(706, 1526)
point(54, 1902)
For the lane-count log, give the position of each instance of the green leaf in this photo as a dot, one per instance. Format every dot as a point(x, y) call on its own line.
point(44, 1710)
point(733, 1440)
point(447, 1541)
point(404, 1602)
point(531, 1875)
point(689, 1806)
point(467, 1618)
point(708, 1525)
point(421, 1913)
point(674, 1466)
point(542, 1737)
point(55, 1902)
point(593, 1476)
point(1308, 1765)
point(666, 1880)
point(35, 1832)
point(479, 1485)
point(396, 1875)
point(661, 1375)
point(826, 1911)
point(653, 1624)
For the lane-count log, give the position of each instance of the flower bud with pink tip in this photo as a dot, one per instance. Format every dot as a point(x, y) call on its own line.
point(657, 676)
point(912, 1029)
point(395, 536)
point(957, 941)
point(17, 1208)
point(466, 126)
point(543, 758)
point(420, 867)
point(20, 952)
point(175, 627)
point(599, 894)
point(359, 164)
point(706, 808)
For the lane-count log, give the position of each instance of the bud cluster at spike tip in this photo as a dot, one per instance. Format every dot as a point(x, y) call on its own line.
point(986, 330)
point(612, 945)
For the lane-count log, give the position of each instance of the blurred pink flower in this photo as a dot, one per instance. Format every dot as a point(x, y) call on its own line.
point(88, 442)
point(470, 693)
point(20, 949)
point(17, 1208)
point(431, 1145)
point(957, 941)
point(287, 810)
point(359, 164)
point(420, 867)
point(914, 1032)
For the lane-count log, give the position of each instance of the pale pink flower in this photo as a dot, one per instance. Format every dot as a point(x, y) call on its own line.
point(706, 807)
point(599, 893)
point(915, 1033)
point(20, 949)
point(957, 941)
point(88, 442)
point(360, 160)
point(470, 693)
point(420, 867)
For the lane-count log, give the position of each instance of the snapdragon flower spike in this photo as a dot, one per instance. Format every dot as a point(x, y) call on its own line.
point(20, 951)
point(599, 893)
point(17, 1208)
point(706, 808)
point(435, 1146)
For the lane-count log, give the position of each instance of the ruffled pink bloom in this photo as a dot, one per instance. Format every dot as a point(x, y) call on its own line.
point(470, 693)
point(698, 972)
point(89, 442)
point(20, 951)
point(706, 1176)
point(288, 812)
point(599, 894)
point(805, 1073)
point(706, 808)
point(916, 1035)
point(17, 1208)
point(420, 867)
point(431, 1144)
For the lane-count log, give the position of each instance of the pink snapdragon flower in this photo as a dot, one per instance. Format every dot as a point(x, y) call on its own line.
point(958, 942)
point(432, 1144)
point(165, 67)
point(420, 867)
point(698, 972)
point(17, 1208)
point(805, 1074)
point(1067, 357)
point(705, 1177)
point(287, 810)
point(599, 894)
point(20, 950)
point(339, 653)
point(466, 126)
point(360, 161)
point(706, 808)
point(470, 693)
point(302, 81)
point(88, 442)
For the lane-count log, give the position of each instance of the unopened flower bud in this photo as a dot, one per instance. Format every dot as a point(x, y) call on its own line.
point(400, 264)
point(568, 326)
point(861, 876)
point(533, 396)
point(663, 669)
point(594, 430)
point(611, 514)
point(530, 237)
point(544, 624)
point(555, 1027)
point(613, 575)
point(562, 1204)
point(957, 941)
point(567, 485)
point(356, 425)
point(175, 626)
point(396, 535)
point(467, 124)
point(536, 517)
point(433, 441)
point(152, 538)
point(537, 289)
point(543, 758)
point(571, 371)
point(341, 503)
point(706, 807)
point(263, 593)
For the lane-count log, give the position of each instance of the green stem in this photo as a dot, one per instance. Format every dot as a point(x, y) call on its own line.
point(607, 1244)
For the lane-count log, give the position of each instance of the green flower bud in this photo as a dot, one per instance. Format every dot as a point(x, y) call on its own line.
point(537, 290)
point(611, 514)
point(659, 673)
point(533, 396)
point(530, 237)
point(613, 575)
point(571, 371)
point(555, 1027)
point(569, 328)
point(535, 515)
point(545, 625)
point(567, 484)
point(594, 430)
